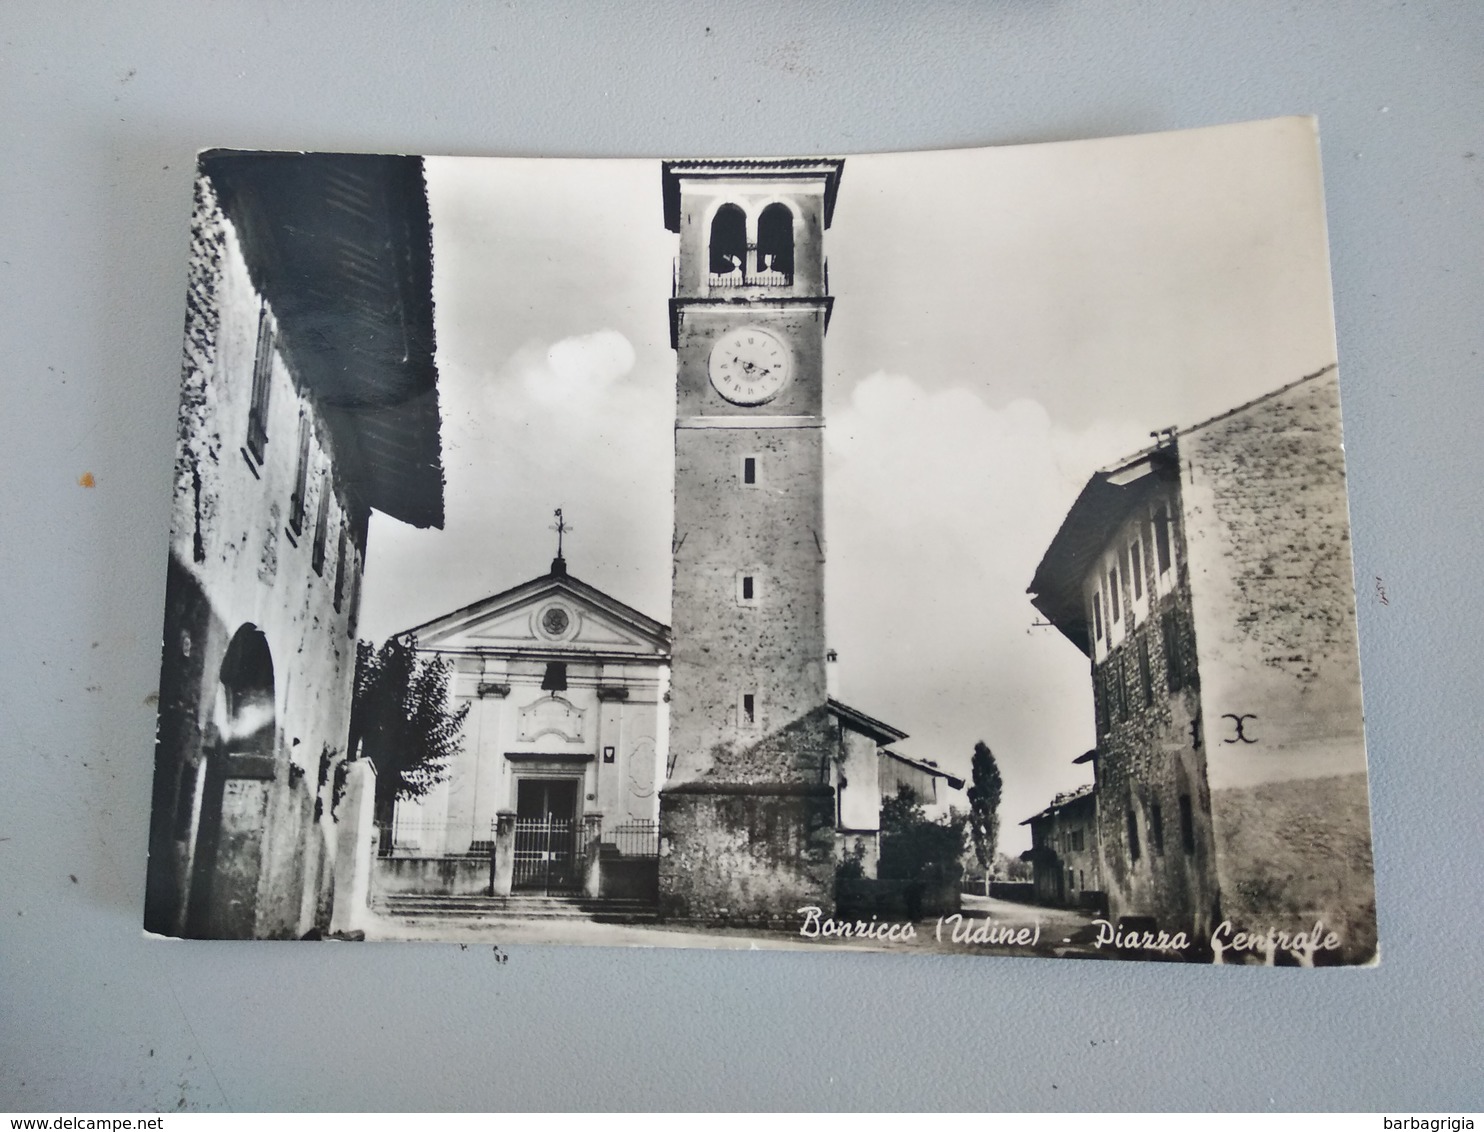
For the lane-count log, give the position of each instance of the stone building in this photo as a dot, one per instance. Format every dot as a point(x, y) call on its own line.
point(748, 813)
point(309, 396)
point(564, 744)
point(1208, 580)
point(864, 771)
point(1064, 851)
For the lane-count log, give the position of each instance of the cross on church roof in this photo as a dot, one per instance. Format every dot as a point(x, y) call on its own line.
point(561, 526)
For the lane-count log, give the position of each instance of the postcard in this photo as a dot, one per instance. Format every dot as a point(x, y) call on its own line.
point(922, 552)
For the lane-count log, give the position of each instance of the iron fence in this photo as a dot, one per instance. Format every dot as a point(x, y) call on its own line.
point(411, 836)
point(637, 838)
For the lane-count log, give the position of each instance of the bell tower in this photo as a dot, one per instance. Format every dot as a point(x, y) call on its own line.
point(747, 814)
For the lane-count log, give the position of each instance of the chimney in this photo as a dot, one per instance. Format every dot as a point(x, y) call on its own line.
point(832, 674)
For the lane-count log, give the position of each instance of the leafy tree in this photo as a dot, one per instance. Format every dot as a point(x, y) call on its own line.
point(399, 719)
point(1013, 868)
point(915, 848)
point(984, 807)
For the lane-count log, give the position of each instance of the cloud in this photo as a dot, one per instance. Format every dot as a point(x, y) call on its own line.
point(576, 370)
point(569, 423)
point(938, 508)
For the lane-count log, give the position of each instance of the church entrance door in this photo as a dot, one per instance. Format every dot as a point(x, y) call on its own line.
point(547, 857)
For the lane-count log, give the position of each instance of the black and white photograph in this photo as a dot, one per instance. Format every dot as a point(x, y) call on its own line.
point(929, 552)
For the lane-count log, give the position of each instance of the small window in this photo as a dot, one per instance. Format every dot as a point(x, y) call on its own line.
point(1114, 605)
point(1156, 828)
point(555, 679)
point(1174, 663)
point(321, 528)
point(749, 586)
point(262, 379)
point(1097, 616)
point(1136, 568)
point(1100, 702)
point(1162, 539)
point(301, 478)
point(1120, 686)
point(340, 565)
point(1187, 825)
point(749, 469)
point(1146, 682)
point(749, 708)
point(1133, 836)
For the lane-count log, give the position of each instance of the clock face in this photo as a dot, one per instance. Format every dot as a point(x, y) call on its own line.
point(750, 365)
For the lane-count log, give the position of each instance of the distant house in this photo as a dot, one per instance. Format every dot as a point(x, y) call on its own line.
point(864, 772)
point(1208, 581)
point(309, 397)
point(1064, 851)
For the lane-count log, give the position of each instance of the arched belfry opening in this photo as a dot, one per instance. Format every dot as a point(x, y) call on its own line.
point(775, 242)
point(239, 770)
point(728, 241)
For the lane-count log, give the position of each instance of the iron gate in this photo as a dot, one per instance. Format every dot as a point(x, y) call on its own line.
point(548, 856)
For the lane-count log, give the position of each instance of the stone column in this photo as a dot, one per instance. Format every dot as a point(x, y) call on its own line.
point(592, 885)
point(356, 837)
point(502, 860)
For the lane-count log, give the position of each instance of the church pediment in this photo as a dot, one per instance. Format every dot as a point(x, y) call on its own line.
point(555, 613)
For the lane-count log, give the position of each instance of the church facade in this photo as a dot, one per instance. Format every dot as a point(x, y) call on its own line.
point(564, 742)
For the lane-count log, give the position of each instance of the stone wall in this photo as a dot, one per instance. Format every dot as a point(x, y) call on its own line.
point(1155, 844)
point(1299, 852)
point(1272, 583)
point(743, 856)
point(451, 876)
point(244, 559)
point(771, 647)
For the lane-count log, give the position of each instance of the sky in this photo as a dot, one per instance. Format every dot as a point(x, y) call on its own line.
point(1006, 322)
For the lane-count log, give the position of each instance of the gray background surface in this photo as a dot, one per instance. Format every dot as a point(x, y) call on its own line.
point(102, 107)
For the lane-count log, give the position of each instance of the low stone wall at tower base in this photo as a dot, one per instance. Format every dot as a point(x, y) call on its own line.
point(746, 855)
point(1293, 853)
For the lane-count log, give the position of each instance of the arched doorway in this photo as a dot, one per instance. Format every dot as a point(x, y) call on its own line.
point(239, 770)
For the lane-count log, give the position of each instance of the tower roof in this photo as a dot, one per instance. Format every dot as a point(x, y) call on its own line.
point(755, 168)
